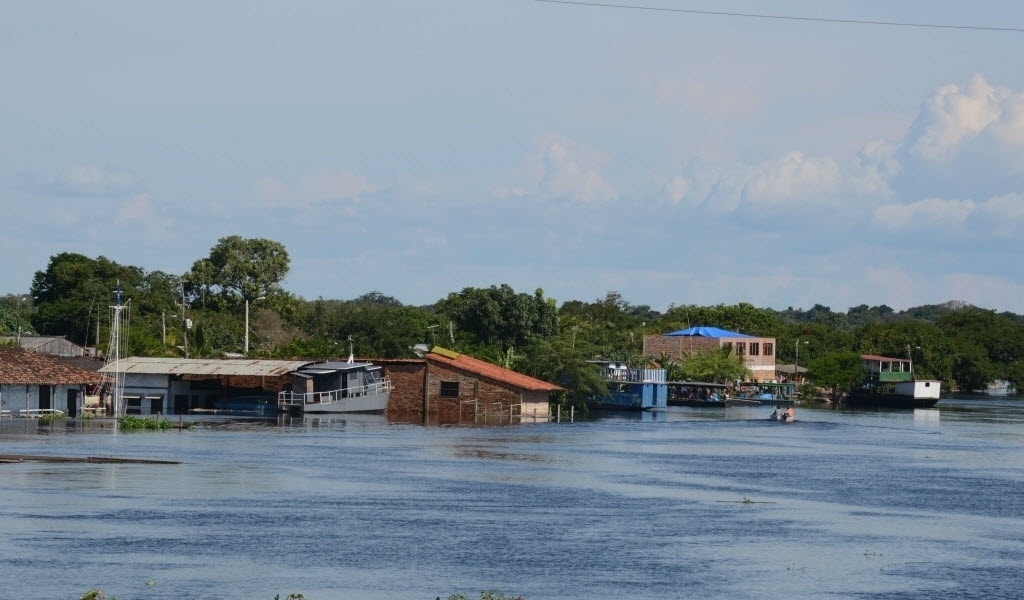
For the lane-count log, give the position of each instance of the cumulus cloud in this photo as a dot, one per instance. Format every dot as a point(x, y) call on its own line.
point(562, 169)
point(958, 169)
point(93, 181)
point(789, 181)
point(570, 170)
point(324, 187)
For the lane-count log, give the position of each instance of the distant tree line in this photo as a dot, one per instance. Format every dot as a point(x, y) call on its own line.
point(203, 310)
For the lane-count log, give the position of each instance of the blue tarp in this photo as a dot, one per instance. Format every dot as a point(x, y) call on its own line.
point(711, 332)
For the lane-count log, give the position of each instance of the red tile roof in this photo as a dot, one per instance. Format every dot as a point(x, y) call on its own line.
point(490, 371)
point(21, 367)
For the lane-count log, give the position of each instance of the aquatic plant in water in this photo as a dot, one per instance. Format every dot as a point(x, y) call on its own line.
point(51, 418)
point(133, 423)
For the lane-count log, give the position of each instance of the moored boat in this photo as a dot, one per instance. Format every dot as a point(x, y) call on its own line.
point(337, 387)
point(630, 389)
point(891, 383)
point(703, 394)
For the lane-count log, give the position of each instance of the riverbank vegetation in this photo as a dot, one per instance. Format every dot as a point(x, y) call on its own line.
point(202, 313)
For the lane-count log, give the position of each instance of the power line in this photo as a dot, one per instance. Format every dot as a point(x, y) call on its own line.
point(788, 17)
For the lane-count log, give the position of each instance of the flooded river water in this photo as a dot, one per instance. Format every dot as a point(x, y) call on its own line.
point(686, 503)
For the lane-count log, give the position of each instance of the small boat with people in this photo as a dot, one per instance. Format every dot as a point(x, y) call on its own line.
point(786, 416)
point(891, 383)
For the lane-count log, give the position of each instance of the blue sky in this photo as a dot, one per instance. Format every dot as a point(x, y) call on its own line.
point(420, 147)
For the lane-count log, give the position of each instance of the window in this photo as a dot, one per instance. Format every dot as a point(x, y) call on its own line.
point(768, 348)
point(449, 389)
point(755, 348)
point(741, 348)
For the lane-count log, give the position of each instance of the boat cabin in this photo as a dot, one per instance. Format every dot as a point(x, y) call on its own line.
point(631, 389)
point(887, 370)
point(342, 379)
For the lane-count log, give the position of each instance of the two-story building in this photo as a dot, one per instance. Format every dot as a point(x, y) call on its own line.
point(758, 353)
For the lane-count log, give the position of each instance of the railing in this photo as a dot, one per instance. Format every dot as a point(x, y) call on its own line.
point(35, 413)
point(331, 396)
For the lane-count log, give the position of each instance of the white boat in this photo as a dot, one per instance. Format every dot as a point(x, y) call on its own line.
point(891, 383)
point(336, 387)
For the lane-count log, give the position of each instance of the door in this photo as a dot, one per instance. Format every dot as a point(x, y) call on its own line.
point(44, 396)
point(72, 403)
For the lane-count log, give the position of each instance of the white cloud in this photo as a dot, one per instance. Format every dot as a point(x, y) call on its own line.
point(793, 176)
point(788, 182)
point(933, 214)
point(93, 181)
point(571, 171)
point(560, 168)
point(961, 123)
point(325, 186)
point(1001, 216)
point(138, 207)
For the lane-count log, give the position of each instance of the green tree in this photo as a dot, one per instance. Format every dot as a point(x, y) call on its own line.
point(743, 318)
point(716, 366)
point(74, 292)
point(239, 269)
point(836, 371)
point(499, 317)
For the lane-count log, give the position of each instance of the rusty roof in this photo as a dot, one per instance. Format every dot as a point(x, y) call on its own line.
point(491, 371)
point(205, 366)
point(22, 367)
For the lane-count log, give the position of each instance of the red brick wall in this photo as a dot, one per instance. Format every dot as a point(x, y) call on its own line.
point(762, 366)
point(416, 380)
point(407, 378)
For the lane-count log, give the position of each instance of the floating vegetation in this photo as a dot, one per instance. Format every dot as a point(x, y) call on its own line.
point(133, 423)
point(51, 418)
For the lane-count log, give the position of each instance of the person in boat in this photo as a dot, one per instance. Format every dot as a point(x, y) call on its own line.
point(775, 414)
point(789, 415)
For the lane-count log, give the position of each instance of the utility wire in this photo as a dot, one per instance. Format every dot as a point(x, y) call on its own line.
point(788, 17)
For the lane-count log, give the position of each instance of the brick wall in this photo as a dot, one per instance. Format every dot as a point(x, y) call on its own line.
point(417, 380)
point(407, 377)
point(761, 365)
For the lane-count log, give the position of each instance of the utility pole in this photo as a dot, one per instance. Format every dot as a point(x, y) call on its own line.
point(184, 321)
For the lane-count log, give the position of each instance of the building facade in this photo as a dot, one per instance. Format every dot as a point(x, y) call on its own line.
point(758, 353)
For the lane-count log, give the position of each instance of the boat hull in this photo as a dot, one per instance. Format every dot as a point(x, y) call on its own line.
point(869, 399)
point(358, 404)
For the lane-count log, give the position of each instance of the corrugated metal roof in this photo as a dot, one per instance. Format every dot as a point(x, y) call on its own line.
point(203, 366)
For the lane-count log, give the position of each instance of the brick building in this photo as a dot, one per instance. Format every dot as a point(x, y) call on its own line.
point(758, 353)
point(448, 386)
